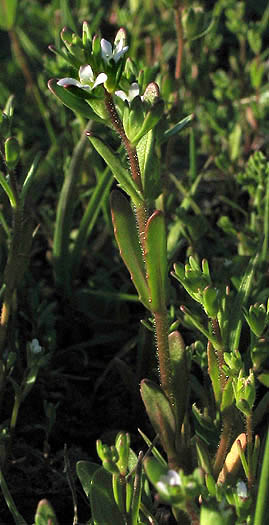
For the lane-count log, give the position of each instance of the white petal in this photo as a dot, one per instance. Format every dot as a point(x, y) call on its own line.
point(106, 49)
point(133, 91)
point(242, 490)
point(117, 54)
point(121, 94)
point(102, 77)
point(68, 82)
point(172, 478)
point(86, 74)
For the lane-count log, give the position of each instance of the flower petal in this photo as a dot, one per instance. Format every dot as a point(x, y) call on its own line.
point(106, 50)
point(121, 94)
point(102, 77)
point(133, 91)
point(64, 82)
point(86, 74)
point(119, 51)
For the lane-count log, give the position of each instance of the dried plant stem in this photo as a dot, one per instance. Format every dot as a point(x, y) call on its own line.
point(179, 30)
point(31, 84)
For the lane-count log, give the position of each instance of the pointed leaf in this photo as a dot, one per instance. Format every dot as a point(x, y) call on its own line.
point(180, 376)
point(121, 174)
point(85, 471)
point(8, 10)
point(156, 260)
point(103, 506)
point(263, 490)
point(160, 414)
point(77, 104)
point(177, 128)
point(235, 321)
point(45, 514)
point(125, 230)
point(149, 166)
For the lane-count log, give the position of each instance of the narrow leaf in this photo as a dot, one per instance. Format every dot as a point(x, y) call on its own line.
point(8, 9)
point(262, 501)
point(120, 173)
point(149, 167)
point(177, 128)
point(180, 376)
point(156, 260)
point(125, 230)
point(77, 104)
point(160, 414)
point(90, 216)
point(235, 321)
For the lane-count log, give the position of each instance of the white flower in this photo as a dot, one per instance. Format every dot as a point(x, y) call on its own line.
point(116, 53)
point(132, 93)
point(172, 478)
point(242, 490)
point(86, 78)
point(35, 347)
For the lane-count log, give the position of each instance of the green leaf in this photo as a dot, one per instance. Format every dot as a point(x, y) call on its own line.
point(85, 471)
point(120, 173)
point(156, 260)
point(98, 197)
point(213, 370)
point(160, 414)
point(210, 515)
point(227, 395)
point(177, 128)
point(74, 102)
point(262, 501)
point(8, 9)
point(125, 230)
point(18, 519)
point(235, 321)
point(45, 514)
point(103, 506)
point(264, 379)
point(149, 167)
point(6, 187)
point(180, 376)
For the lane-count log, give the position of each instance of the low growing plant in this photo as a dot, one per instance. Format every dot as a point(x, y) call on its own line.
point(209, 467)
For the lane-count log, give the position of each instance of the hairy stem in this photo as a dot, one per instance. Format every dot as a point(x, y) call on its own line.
point(224, 444)
point(249, 432)
point(141, 212)
point(161, 327)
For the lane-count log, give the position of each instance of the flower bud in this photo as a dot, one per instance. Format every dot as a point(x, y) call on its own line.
point(256, 318)
point(211, 301)
point(12, 152)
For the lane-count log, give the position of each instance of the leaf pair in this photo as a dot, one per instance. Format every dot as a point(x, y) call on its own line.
point(148, 273)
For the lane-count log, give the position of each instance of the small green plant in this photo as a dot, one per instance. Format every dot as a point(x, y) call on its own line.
point(208, 397)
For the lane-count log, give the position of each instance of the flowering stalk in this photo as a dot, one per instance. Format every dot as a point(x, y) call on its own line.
point(141, 211)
